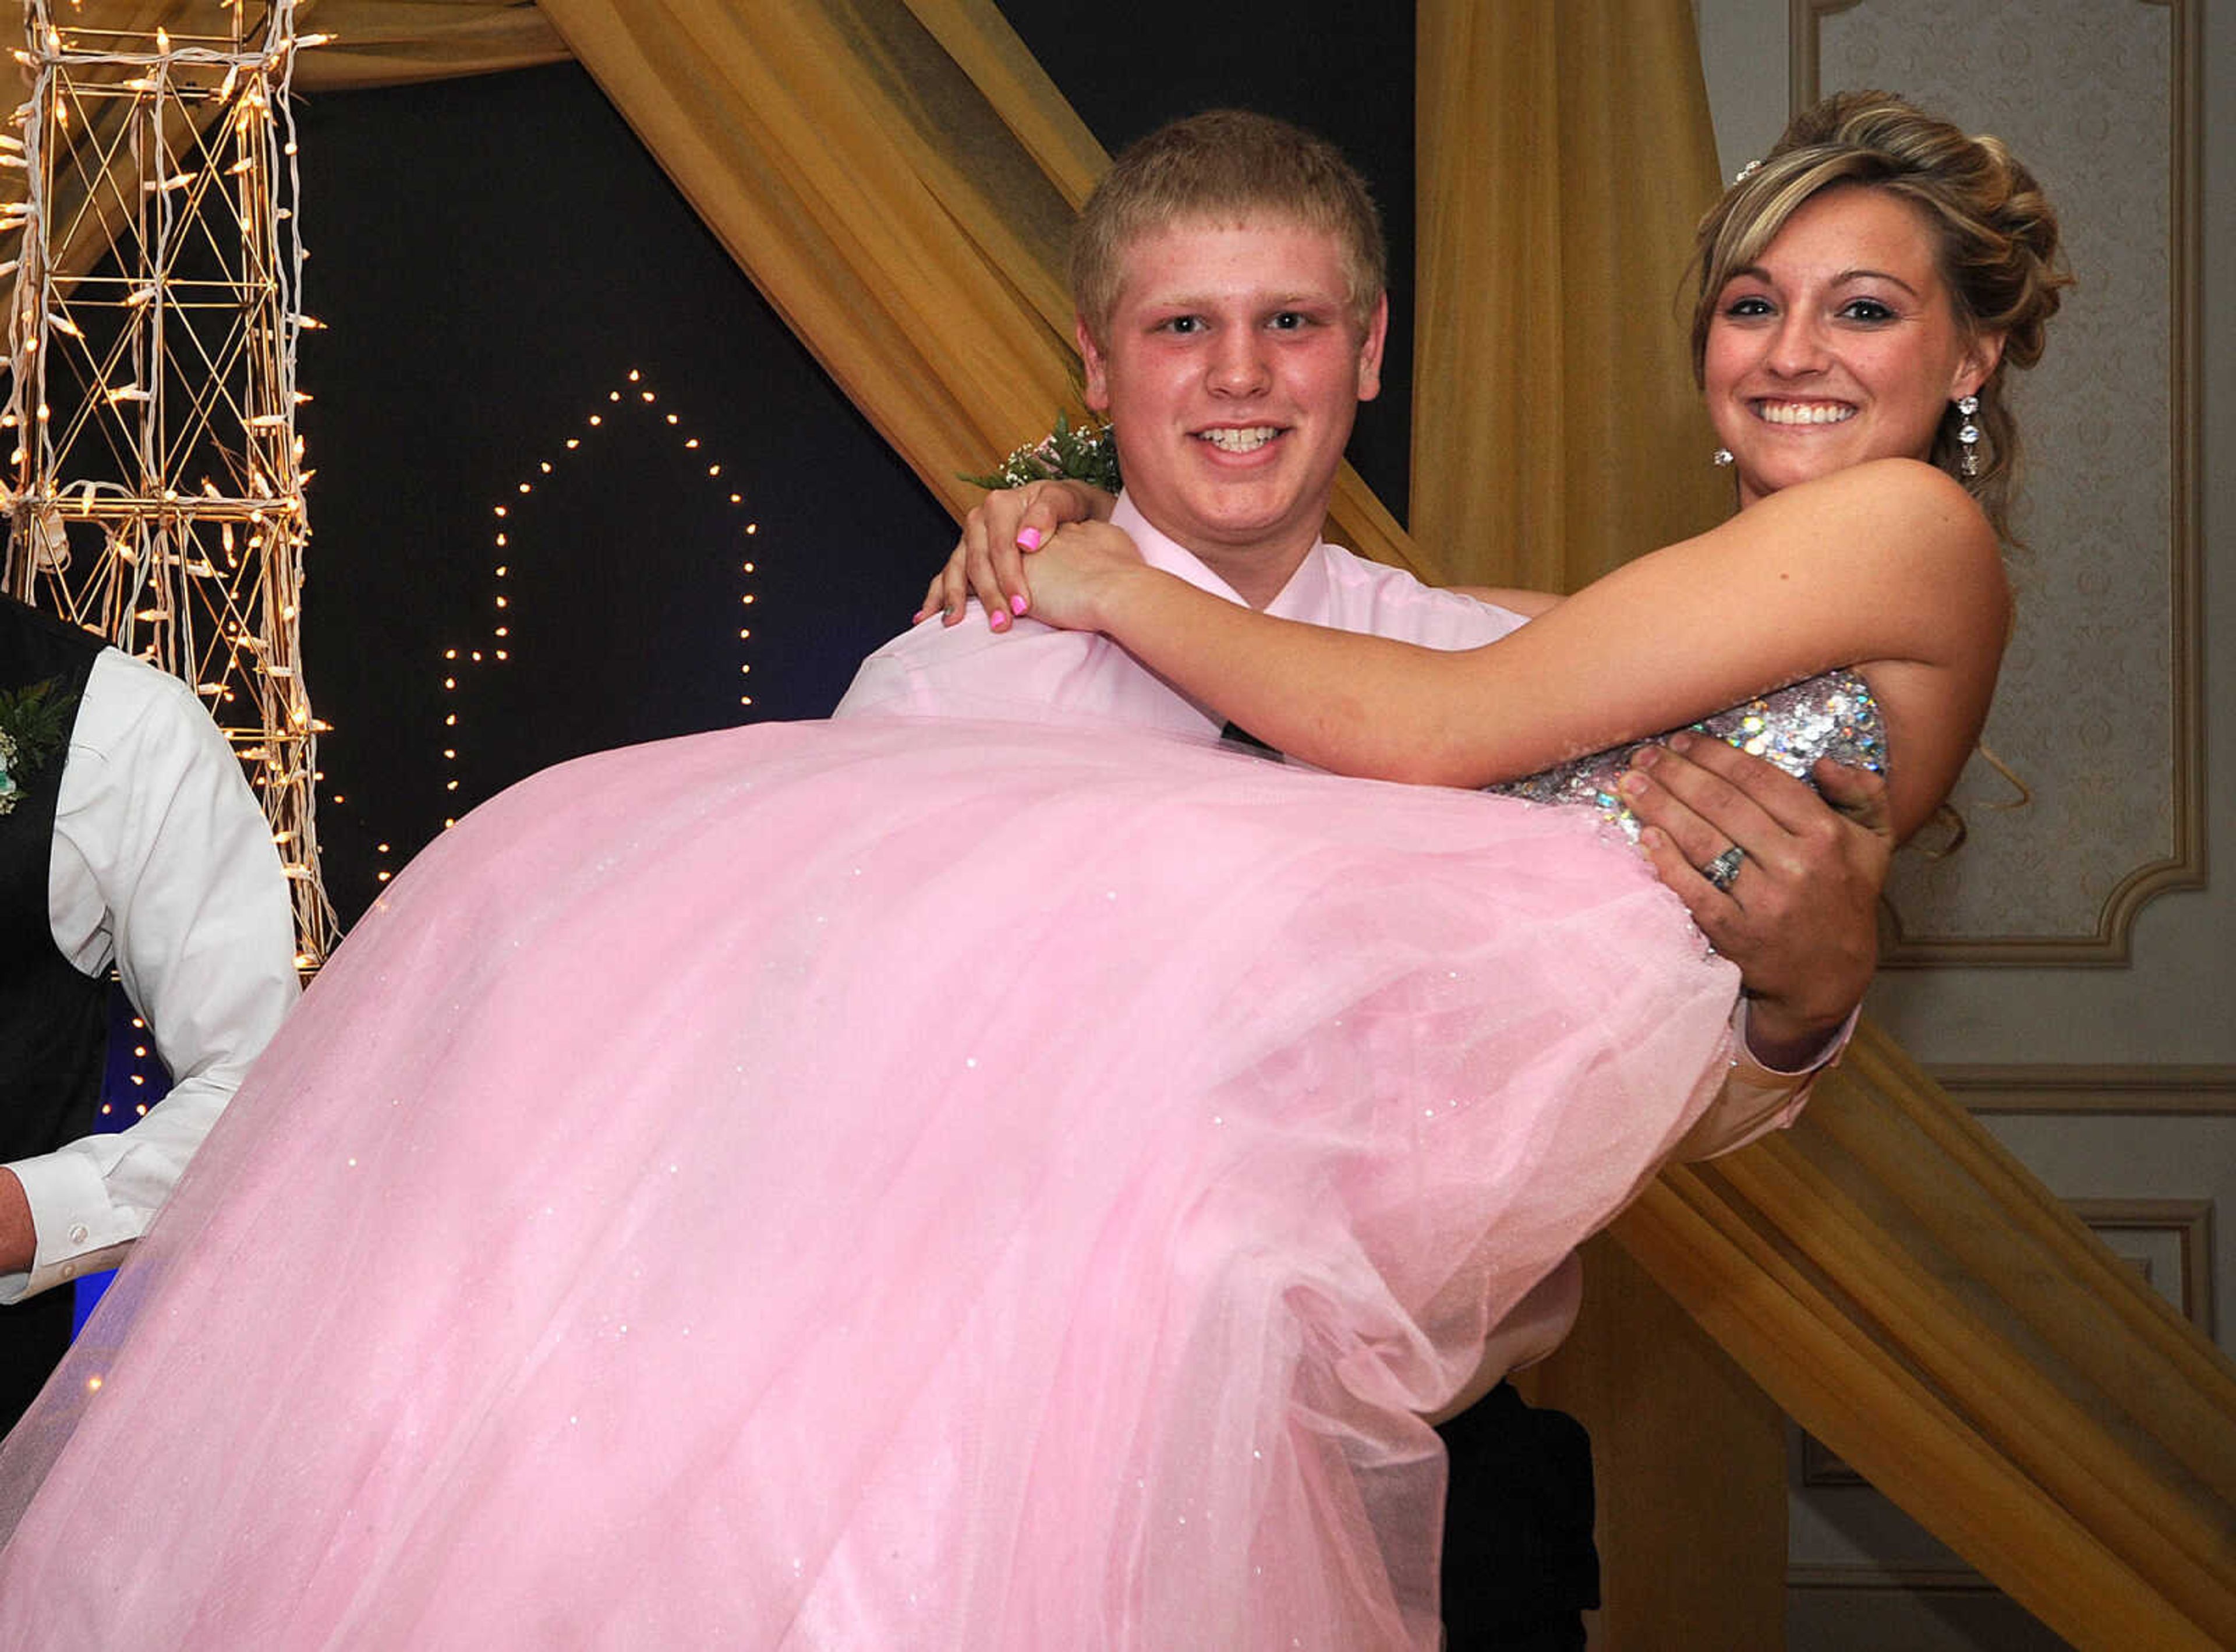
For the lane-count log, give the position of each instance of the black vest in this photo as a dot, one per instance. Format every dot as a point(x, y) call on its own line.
point(54, 1021)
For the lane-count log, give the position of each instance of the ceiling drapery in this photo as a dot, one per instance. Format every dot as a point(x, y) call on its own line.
point(898, 179)
point(1564, 153)
point(399, 43)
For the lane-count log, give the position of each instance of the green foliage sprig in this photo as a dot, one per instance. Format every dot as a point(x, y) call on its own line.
point(33, 722)
point(1085, 453)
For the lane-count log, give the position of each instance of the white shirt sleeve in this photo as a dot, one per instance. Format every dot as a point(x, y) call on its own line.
point(163, 865)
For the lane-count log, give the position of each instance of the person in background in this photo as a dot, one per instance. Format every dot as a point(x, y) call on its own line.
point(128, 837)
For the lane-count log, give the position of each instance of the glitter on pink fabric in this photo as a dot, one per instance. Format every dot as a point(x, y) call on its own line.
point(874, 1185)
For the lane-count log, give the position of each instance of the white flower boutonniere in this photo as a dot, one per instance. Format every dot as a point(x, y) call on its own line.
point(1078, 454)
point(33, 725)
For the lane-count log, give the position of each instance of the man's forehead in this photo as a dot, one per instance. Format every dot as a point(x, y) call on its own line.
point(1260, 249)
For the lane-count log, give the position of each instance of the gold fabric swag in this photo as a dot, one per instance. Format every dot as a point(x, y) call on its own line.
point(897, 176)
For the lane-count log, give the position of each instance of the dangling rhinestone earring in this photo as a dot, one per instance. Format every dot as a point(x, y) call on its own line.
point(1720, 457)
point(1969, 434)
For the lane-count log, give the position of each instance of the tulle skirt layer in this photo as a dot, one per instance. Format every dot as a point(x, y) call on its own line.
point(874, 1185)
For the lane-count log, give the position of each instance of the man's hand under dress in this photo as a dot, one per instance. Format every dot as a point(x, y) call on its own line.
point(988, 562)
point(1801, 917)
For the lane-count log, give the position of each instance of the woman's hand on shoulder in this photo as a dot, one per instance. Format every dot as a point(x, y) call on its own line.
point(988, 561)
point(1079, 574)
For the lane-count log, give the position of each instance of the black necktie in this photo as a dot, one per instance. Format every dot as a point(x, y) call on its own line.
point(1242, 736)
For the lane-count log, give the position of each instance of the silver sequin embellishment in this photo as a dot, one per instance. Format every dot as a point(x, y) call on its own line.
point(1832, 716)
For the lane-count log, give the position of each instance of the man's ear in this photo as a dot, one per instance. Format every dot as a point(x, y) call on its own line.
point(1098, 370)
point(1370, 350)
point(1977, 366)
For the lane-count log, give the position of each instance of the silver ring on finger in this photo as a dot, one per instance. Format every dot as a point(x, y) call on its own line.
point(1724, 870)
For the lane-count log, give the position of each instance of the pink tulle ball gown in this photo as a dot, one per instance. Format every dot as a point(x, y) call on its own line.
point(875, 1186)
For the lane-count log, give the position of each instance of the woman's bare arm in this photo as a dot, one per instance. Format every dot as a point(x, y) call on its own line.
point(988, 559)
point(1888, 567)
point(1529, 605)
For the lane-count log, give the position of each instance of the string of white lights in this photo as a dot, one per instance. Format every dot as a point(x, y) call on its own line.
point(157, 493)
point(462, 665)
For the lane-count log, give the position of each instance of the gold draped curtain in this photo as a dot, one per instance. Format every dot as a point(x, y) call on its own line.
point(1564, 152)
point(1910, 1293)
point(896, 175)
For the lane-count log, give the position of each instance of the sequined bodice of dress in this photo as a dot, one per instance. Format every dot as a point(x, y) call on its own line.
point(1832, 716)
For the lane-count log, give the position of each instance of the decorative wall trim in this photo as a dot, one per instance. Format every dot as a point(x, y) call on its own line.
point(2077, 1088)
point(1903, 1580)
point(1822, 1466)
point(1803, 46)
point(2184, 866)
point(2183, 1228)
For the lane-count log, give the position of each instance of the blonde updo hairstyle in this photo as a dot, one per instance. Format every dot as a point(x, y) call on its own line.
point(1995, 235)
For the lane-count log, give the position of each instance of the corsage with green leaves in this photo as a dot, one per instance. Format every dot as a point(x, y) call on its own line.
point(1084, 452)
point(34, 723)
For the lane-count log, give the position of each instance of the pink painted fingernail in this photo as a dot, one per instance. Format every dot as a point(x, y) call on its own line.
point(1018, 605)
point(1028, 539)
point(999, 620)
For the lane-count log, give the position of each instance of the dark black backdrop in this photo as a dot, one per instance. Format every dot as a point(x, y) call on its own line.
point(494, 256)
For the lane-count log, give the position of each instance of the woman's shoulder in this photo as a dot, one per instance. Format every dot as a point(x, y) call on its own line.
point(1915, 520)
point(1891, 485)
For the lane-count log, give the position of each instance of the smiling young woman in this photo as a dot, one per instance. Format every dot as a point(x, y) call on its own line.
point(1839, 343)
point(1877, 267)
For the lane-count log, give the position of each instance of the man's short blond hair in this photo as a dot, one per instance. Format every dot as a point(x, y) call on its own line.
point(1225, 166)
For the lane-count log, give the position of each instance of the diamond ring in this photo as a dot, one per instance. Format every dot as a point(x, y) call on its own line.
point(1724, 870)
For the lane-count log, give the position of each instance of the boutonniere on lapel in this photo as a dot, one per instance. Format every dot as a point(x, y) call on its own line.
point(33, 724)
point(1086, 452)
